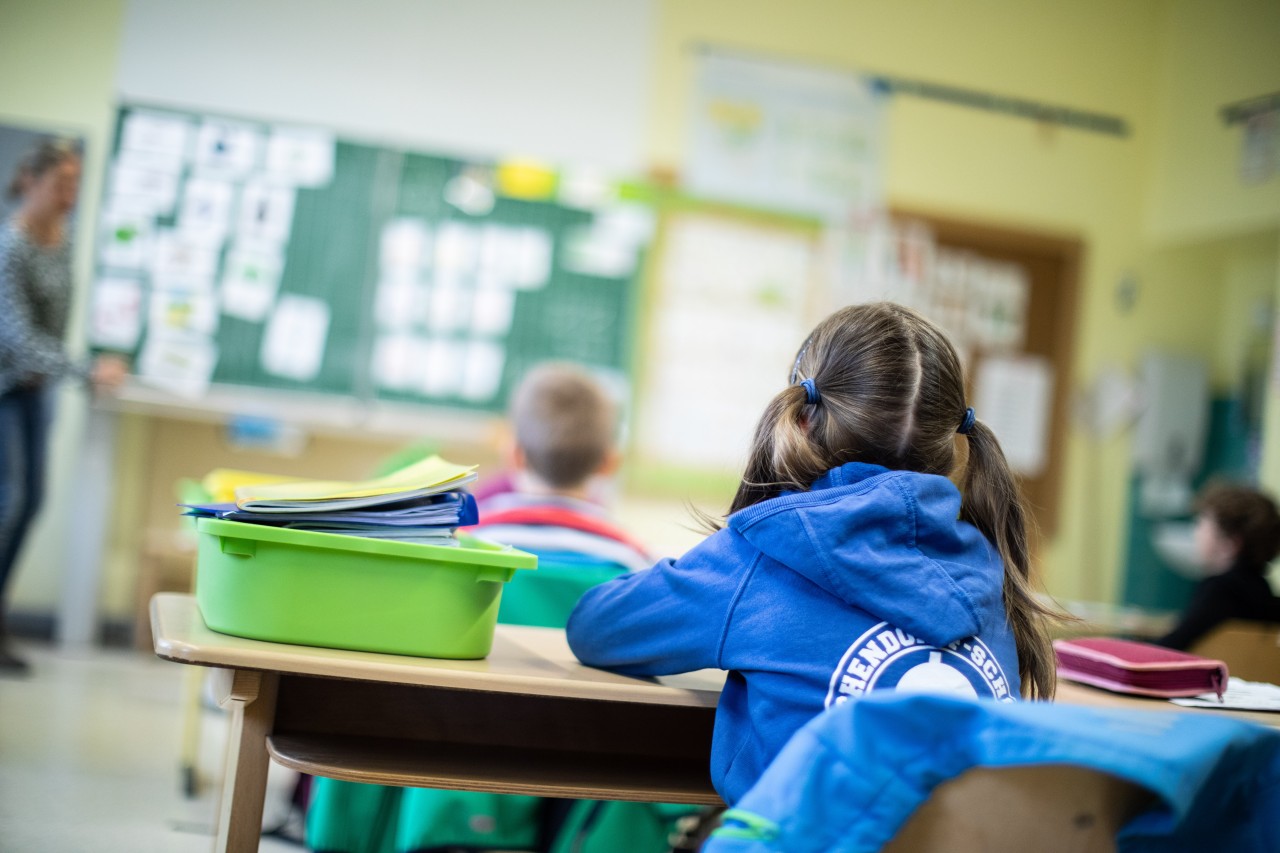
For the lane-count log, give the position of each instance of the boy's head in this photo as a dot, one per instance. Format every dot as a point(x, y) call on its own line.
point(564, 425)
point(1236, 524)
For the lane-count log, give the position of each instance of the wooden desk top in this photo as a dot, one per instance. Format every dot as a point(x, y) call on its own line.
point(1070, 693)
point(531, 661)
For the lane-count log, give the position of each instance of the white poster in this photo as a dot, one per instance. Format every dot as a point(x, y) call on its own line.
point(458, 247)
point(205, 217)
point(399, 304)
point(182, 365)
point(152, 189)
point(785, 136)
point(162, 139)
point(404, 249)
point(294, 344)
point(482, 370)
point(400, 362)
point(1013, 397)
point(449, 306)
point(227, 150)
point(182, 312)
point(492, 311)
point(300, 157)
point(515, 257)
point(126, 239)
point(445, 360)
point(179, 260)
point(729, 318)
point(266, 213)
point(250, 280)
point(115, 319)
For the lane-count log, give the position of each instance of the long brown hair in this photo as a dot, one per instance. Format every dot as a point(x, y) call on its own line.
point(892, 393)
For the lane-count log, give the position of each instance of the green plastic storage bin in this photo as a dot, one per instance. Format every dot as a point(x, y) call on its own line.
point(352, 592)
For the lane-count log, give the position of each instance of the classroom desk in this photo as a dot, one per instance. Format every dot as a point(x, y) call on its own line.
point(1071, 693)
point(529, 719)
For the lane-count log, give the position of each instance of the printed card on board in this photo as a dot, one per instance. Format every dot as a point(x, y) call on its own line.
point(115, 320)
point(294, 344)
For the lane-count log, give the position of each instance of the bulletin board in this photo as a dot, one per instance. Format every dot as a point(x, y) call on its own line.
point(733, 293)
point(244, 253)
point(1018, 367)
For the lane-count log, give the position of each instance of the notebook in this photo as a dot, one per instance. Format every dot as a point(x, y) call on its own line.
point(1143, 669)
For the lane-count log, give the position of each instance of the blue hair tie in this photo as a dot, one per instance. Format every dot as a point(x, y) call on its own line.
point(967, 423)
point(811, 395)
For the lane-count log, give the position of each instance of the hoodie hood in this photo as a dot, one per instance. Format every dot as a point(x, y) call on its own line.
point(886, 542)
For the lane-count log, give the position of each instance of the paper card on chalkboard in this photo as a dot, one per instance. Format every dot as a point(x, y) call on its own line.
point(492, 311)
point(482, 370)
point(449, 308)
point(404, 248)
point(250, 279)
point(515, 257)
point(178, 261)
point(604, 254)
point(300, 156)
point(152, 188)
point(1013, 396)
point(586, 189)
point(227, 150)
point(471, 192)
point(115, 319)
point(400, 361)
point(457, 247)
point(178, 311)
point(444, 364)
point(266, 212)
point(294, 344)
point(126, 239)
point(152, 161)
point(180, 364)
point(400, 304)
point(205, 217)
point(167, 137)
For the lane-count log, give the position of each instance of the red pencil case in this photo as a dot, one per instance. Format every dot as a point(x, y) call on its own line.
point(1127, 666)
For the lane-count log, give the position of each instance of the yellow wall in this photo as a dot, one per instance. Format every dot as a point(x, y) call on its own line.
point(1162, 206)
point(1214, 54)
point(1163, 67)
point(1097, 56)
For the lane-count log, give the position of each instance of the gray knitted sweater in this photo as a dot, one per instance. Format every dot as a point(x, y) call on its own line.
point(35, 297)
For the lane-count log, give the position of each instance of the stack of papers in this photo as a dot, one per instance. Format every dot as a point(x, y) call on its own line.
point(420, 503)
point(1241, 695)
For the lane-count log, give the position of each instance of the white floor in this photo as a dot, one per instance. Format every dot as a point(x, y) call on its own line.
point(90, 758)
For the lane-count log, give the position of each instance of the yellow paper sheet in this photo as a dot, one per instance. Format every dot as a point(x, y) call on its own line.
point(427, 473)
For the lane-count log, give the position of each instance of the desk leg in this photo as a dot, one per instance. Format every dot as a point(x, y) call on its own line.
point(250, 697)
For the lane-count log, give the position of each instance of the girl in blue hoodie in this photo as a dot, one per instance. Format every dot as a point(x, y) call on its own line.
point(850, 561)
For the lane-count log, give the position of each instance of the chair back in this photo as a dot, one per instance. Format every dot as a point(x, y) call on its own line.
point(1251, 650)
point(1048, 809)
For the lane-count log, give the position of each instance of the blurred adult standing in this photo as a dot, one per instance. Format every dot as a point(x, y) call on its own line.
point(35, 298)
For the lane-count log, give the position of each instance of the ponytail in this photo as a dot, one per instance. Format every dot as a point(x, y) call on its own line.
point(992, 503)
point(783, 456)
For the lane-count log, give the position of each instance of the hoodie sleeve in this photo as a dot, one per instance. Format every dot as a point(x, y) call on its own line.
point(667, 619)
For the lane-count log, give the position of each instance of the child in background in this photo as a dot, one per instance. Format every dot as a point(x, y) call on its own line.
point(1237, 534)
point(849, 561)
point(563, 450)
point(564, 447)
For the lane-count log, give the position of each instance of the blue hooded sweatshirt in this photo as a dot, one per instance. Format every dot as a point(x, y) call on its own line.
point(867, 581)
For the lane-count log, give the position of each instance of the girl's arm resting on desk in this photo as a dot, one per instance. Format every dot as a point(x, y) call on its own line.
point(667, 619)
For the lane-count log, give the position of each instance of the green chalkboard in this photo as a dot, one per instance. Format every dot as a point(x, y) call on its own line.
point(436, 279)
